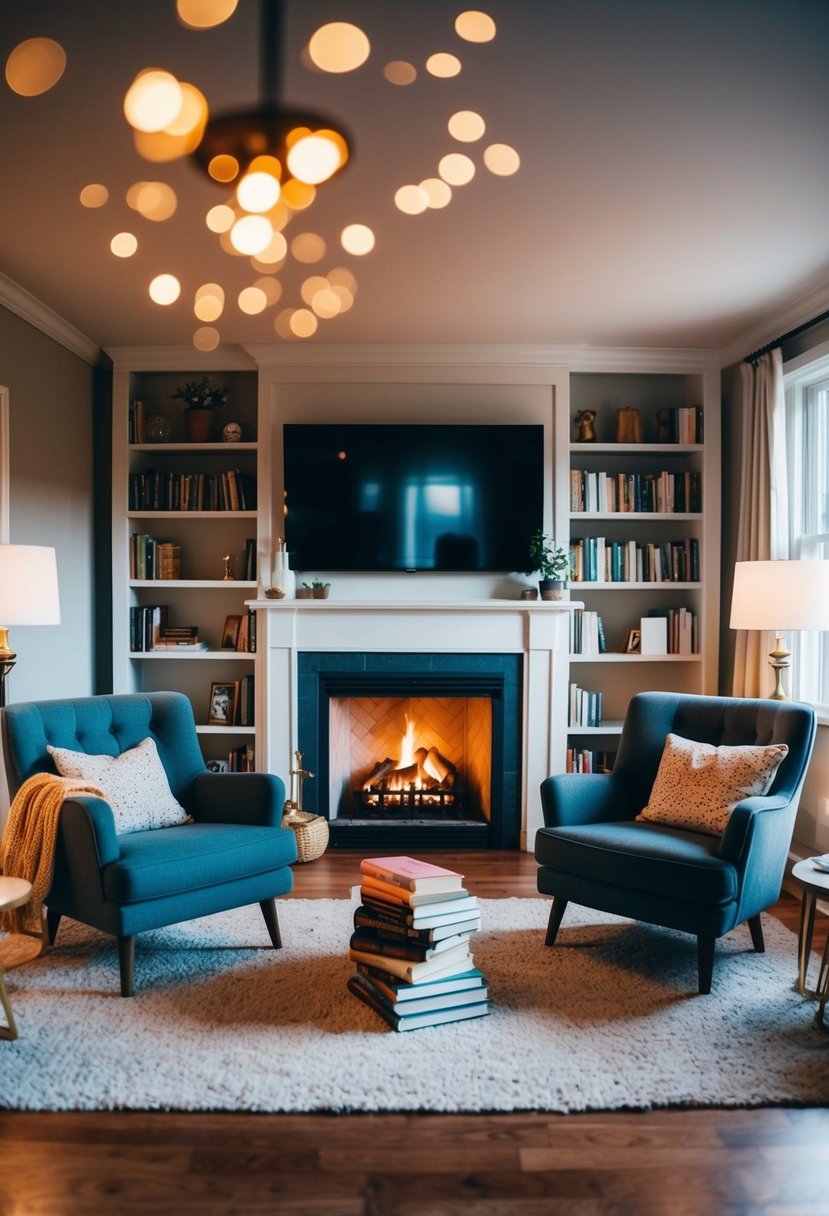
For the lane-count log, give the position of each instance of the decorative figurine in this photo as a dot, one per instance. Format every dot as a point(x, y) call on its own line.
point(231, 432)
point(228, 574)
point(587, 431)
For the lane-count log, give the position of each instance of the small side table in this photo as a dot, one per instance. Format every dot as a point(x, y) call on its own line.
point(815, 885)
point(14, 892)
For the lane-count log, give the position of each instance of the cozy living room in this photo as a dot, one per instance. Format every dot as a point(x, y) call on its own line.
point(414, 569)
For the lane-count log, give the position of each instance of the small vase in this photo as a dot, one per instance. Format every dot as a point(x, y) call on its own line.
point(283, 575)
point(551, 588)
point(198, 425)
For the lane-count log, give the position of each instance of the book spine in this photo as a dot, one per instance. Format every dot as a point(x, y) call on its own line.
point(413, 951)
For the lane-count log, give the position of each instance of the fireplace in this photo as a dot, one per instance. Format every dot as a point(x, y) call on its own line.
point(511, 657)
point(413, 750)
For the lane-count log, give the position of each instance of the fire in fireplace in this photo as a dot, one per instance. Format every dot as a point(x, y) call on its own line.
point(420, 779)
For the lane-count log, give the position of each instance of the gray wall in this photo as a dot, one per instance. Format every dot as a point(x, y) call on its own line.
point(51, 502)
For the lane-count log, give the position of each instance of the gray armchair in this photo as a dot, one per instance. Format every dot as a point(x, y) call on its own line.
point(594, 852)
point(234, 851)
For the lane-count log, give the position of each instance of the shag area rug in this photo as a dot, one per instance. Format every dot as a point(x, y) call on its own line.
point(607, 1019)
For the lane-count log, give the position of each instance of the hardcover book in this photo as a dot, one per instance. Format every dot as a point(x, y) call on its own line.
point(391, 929)
point(449, 963)
point(397, 991)
point(427, 917)
point(416, 952)
point(415, 1021)
point(400, 895)
point(412, 874)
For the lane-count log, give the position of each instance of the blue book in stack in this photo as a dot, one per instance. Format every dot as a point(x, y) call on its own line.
point(411, 944)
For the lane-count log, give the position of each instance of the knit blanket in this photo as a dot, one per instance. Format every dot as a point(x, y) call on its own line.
point(28, 846)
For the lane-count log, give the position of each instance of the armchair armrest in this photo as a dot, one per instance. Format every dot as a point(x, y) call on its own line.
point(753, 822)
point(254, 798)
point(87, 823)
point(574, 798)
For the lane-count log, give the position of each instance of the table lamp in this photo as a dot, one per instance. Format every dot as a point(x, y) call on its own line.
point(780, 596)
point(28, 596)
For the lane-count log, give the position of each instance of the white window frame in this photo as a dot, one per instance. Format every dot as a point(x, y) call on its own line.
point(810, 650)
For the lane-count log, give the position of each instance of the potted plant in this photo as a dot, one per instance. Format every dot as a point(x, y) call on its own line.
point(319, 589)
point(552, 564)
point(202, 399)
point(304, 592)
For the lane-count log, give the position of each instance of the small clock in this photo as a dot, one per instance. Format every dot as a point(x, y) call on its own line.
point(231, 432)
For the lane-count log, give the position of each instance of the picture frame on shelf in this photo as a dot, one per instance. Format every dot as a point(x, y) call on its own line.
point(230, 633)
point(224, 702)
point(633, 642)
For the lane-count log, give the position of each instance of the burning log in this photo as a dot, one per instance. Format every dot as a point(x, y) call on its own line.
point(380, 771)
point(443, 770)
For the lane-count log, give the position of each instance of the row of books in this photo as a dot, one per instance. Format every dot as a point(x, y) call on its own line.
point(155, 490)
point(585, 707)
point(664, 492)
point(587, 634)
point(150, 630)
point(410, 944)
point(153, 558)
point(595, 559)
point(582, 760)
point(682, 630)
point(242, 759)
point(683, 425)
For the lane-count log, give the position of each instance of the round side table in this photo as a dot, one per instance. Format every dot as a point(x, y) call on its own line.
point(815, 886)
point(14, 892)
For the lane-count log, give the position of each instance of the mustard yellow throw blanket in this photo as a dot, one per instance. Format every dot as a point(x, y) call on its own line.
point(28, 846)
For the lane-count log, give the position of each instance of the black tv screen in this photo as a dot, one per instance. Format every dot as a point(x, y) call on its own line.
point(412, 497)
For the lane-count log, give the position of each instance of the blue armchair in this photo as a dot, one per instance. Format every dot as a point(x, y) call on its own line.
point(593, 851)
point(233, 852)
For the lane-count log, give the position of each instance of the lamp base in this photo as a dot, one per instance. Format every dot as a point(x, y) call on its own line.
point(779, 661)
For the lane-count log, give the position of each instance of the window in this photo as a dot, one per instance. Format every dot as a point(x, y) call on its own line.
point(806, 382)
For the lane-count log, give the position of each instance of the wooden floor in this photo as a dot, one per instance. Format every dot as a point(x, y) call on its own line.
point(771, 1162)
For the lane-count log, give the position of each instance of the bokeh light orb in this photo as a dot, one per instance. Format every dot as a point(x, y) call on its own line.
point(475, 26)
point(165, 289)
point(35, 66)
point(357, 239)
point(339, 46)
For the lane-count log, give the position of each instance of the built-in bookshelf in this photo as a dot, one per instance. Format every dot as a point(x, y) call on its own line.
point(644, 521)
point(185, 544)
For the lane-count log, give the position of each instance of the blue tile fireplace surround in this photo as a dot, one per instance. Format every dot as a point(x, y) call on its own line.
point(324, 677)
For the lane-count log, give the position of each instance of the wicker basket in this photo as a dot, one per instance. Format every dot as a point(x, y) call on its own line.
point(311, 833)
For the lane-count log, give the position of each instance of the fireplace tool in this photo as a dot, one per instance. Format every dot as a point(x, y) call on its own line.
point(311, 830)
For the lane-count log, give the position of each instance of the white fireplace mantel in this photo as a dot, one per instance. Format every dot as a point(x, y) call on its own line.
point(535, 629)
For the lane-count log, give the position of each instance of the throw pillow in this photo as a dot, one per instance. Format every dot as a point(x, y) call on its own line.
point(698, 785)
point(135, 785)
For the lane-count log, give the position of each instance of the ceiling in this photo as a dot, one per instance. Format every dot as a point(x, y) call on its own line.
point(673, 189)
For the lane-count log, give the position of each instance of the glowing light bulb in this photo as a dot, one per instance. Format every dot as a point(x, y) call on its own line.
point(316, 157)
point(257, 192)
point(153, 100)
point(251, 234)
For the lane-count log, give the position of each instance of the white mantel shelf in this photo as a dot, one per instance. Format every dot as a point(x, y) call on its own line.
point(536, 629)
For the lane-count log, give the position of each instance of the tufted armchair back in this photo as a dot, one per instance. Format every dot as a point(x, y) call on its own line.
point(730, 721)
point(102, 725)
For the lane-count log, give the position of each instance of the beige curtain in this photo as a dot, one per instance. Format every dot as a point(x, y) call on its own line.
point(763, 521)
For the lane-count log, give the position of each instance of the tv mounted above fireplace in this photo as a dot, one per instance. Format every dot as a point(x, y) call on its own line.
point(385, 497)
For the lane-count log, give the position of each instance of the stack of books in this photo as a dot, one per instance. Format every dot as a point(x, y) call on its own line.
point(411, 944)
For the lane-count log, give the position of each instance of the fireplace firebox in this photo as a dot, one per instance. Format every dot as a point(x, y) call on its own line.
point(413, 750)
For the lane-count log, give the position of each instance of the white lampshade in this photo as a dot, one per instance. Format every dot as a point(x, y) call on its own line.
point(780, 595)
point(28, 585)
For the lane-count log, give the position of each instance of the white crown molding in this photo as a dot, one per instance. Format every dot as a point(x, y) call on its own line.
point(180, 359)
point(796, 311)
point(574, 357)
point(26, 306)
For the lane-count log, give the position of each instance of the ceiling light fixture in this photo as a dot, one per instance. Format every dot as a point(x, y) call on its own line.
point(298, 144)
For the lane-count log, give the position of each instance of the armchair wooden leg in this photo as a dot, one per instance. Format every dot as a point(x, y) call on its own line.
point(126, 959)
point(52, 922)
point(756, 929)
point(705, 963)
point(556, 915)
point(268, 907)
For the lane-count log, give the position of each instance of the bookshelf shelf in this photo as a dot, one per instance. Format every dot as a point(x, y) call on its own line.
point(669, 403)
point(203, 542)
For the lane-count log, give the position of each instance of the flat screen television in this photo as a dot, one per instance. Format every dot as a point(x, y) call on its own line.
point(386, 497)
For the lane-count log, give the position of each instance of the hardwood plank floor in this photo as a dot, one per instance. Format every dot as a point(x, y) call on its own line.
point(772, 1162)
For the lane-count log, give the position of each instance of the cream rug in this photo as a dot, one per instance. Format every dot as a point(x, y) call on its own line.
point(607, 1019)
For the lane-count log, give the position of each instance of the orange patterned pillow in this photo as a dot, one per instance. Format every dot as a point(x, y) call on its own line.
point(698, 785)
